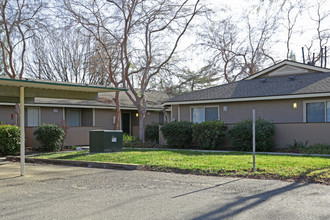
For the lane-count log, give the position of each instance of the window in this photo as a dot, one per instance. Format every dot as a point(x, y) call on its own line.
point(73, 117)
point(318, 111)
point(201, 114)
point(162, 118)
point(32, 117)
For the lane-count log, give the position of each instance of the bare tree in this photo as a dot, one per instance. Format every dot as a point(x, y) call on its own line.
point(61, 55)
point(142, 37)
point(18, 20)
point(292, 13)
point(18, 23)
point(320, 16)
point(239, 47)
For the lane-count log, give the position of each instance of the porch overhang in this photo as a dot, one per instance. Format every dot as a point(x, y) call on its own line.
point(24, 91)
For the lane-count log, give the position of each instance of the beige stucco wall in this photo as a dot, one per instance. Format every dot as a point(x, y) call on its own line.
point(152, 116)
point(289, 122)
point(285, 134)
point(104, 118)
point(278, 111)
point(51, 115)
point(5, 114)
point(174, 113)
point(78, 136)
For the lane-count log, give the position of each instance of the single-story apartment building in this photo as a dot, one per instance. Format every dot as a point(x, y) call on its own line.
point(294, 96)
point(81, 116)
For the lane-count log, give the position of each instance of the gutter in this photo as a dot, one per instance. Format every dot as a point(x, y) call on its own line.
point(264, 98)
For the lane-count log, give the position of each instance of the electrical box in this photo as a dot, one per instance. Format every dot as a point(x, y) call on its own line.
point(103, 141)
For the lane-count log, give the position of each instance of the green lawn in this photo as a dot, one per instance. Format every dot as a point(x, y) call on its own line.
point(300, 168)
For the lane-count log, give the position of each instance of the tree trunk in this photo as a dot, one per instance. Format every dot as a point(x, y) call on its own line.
point(117, 114)
point(141, 126)
point(17, 114)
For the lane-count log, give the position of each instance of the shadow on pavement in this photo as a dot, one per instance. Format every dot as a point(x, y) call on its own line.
point(205, 189)
point(240, 205)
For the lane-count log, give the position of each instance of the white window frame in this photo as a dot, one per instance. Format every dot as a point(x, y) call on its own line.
point(315, 101)
point(27, 115)
point(204, 106)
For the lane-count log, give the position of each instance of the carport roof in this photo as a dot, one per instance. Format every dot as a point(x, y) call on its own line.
point(50, 89)
point(43, 84)
point(18, 90)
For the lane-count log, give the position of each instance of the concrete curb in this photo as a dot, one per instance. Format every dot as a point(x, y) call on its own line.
point(121, 166)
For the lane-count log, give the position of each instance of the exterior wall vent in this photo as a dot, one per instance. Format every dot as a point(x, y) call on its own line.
point(291, 78)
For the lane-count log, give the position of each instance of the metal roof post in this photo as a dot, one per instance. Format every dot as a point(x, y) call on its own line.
point(21, 106)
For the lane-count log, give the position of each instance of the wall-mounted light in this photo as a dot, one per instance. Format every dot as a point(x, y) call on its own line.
point(294, 105)
point(224, 108)
point(137, 115)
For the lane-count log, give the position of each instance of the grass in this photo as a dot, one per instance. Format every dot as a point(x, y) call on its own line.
point(297, 168)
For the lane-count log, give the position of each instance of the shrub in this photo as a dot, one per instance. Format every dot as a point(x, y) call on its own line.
point(50, 137)
point(297, 145)
point(209, 134)
point(9, 139)
point(131, 141)
point(178, 133)
point(241, 135)
point(152, 132)
point(301, 147)
point(316, 149)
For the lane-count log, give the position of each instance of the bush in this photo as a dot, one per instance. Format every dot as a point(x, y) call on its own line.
point(152, 132)
point(241, 135)
point(9, 139)
point(50, 137)
point(131, 141)
point(209, 134)
point(316, 149)
point(301, 147)
point(178, 133)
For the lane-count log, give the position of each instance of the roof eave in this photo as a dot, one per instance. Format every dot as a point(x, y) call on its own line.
point(287, 62)
point(245, 99)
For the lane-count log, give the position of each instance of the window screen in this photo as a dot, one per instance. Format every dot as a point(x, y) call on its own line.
point(315, 112)
point(211, 114)
point(204, 114)
point(73, 117)
point(198, 115)
point(32, 117)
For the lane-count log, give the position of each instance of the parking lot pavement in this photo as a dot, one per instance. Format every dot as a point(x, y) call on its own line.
point(60, 192)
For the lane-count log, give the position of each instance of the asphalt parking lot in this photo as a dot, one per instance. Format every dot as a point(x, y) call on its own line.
point(63, 192)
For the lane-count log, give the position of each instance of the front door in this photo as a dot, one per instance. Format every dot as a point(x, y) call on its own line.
point(125, 122)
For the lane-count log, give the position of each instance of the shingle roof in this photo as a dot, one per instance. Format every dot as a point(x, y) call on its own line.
point(154, 100)
point(272, 86)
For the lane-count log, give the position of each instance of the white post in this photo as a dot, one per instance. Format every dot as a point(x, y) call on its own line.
point(254, 138)
point(93, 117)
point(21, 112)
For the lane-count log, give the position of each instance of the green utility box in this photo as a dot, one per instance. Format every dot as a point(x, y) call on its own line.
point(101, 141)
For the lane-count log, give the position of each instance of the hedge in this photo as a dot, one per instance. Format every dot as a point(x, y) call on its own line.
point(178, 133)
point(152, 132)
point(241, 135)
point(9, 139)
point(209, 134)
